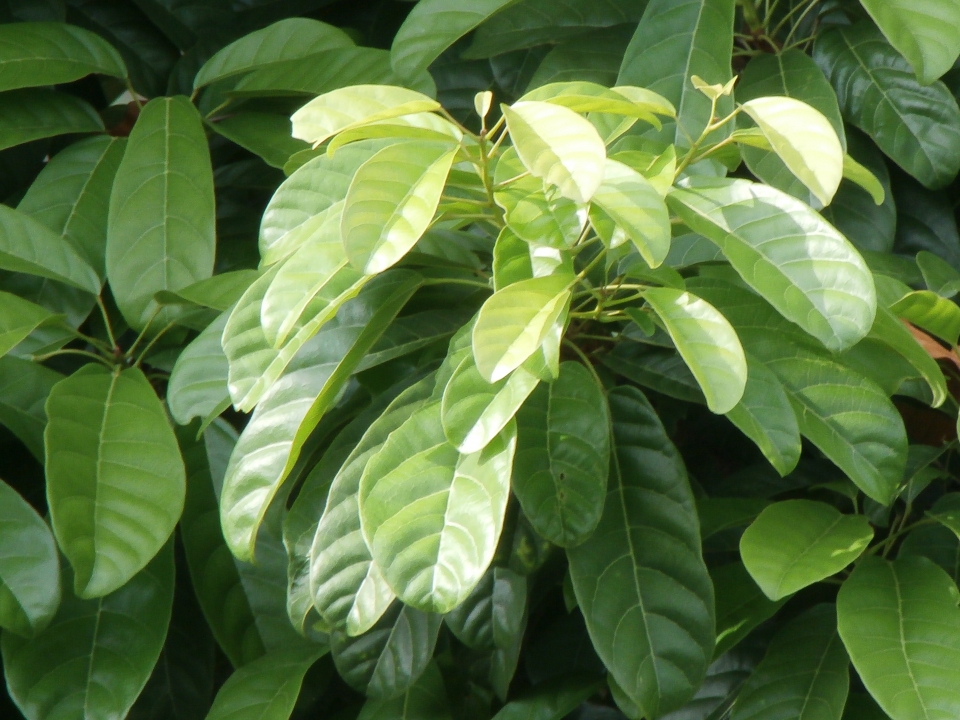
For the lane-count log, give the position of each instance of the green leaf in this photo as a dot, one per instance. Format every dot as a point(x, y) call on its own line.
point(946, 511)
point(433, 26)
point(198, 382)
point(660, 369)
point(95, 657)
point(34, 114)
point(563, 456)
point(515, 321)
point(804, 139)
point(29, 567)
point(425, 700)
point(587, 97)
point(347, 587)
point(557, 145)
point(936, 543)
point(927, 310)
point(803, 675)
point(707, 343)
point(71, 195)
point(795, 543)
point(271, 441)
point(391, 202)
point(594, 56)
point(892, 333)
point(637, 208)
point(434, 539)
point(161, 233)
point(387, 660)
point(900, 623)
point(263, 134)
point(352, 107)
point(722, 513)
point(24, 387)
point(927, 33)
point(787, 253)
point(108, 440)
point(492, 616)
point(52, 53)
point(939, 275)
point(18, 318)
point(674, 41)
point(217, 293)
point(641, 574)
point(266, 689)
point(852, 170)
point(552, 700)
point(741, 606)
point(288, 39)
point(917, 126)
point(765, 415)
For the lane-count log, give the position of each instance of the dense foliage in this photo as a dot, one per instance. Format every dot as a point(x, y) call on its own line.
point(456, 360)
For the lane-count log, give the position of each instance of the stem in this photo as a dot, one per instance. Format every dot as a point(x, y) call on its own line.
point(711, 126)
point(786, 18)
point(71, 351)
point(143, 333)
point(456, 281)
point(153, 342)
point(586, 360)
point(107, 325)
point(90, 340)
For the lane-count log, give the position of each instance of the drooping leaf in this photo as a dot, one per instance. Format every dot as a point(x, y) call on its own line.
point(391, 201)
point(926, 33)
point(52, 53)
point(108, 442)
point(783, 250)
point(161, 233)
point(915, 125)
point(95, 657)
point(804, 674)
point(641, 575)
point(795, 543)
point(563, 456)
point(29, 567)
point(900, 623)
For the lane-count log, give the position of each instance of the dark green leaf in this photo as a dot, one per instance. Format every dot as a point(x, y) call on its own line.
point(425, 700)
point(741, 606)
point(24, 387)
point(33, 114)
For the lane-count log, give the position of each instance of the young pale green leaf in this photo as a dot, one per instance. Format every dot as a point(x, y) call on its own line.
point(474, 411)
point(24, 387)
point(18, 318)
point(347, 587)
point(433, 26)
point(391, 202)
point(387, 660)
point(29, 567)
point(352, 107)
point(641, 575)
point(434, 538)
point(514, 322)
point(558, 146)
point(927, 33)
point(71, 195)
point(267, 688)
point(795, 543)
point(553, 222)
point(493, 614)
point(674, 41)
point(425, 700)
point(784, 250)
point(583, 97)
point(635, 205)
point(288, 39)
point(935, 314)
point(804, 139)
point(107, 440)
point(765, 415)
point(859, 174)
point(563, 456)
point(198, 381)
point(917, 126)
point(804, 675)
point(95, 657)
point(740, 604)
point(52, 53)
point(900, 623)
point(426, 126)
point(707, 343)
point(160, 233)
point(27, 246)
point(287, 413)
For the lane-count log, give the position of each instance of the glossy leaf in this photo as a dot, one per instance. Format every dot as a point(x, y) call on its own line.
point(927, 310)
point(492, 616)
point(52, 53)
point(915, 125)
point(29, 567)
point(926, 33)
point(660, 369)
point(266, 689)
point(900, 623)
point(641, 575)
point(514, 322)
point(161, 233)
point(558, 146)
point(785, 251)
point(707, 343)
point(804, 674)
point(795, 543)
point(95, 657)
point(894, 334)
point(391, 202)
point(108, 441)
point(563, 456)
point(433, 540)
